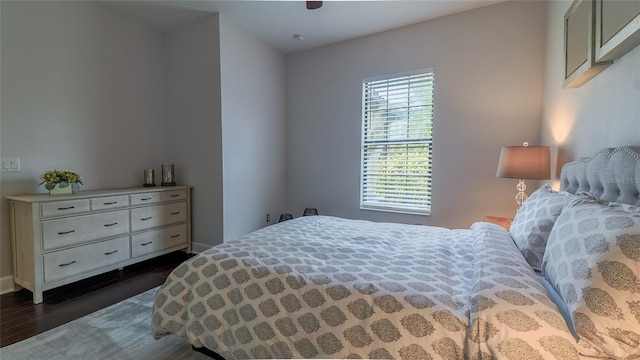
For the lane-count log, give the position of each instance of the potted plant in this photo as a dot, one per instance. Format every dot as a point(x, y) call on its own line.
point(60, 181)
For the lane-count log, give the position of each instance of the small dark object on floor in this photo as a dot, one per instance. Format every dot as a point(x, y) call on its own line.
point(285, 217)
point(310, 211)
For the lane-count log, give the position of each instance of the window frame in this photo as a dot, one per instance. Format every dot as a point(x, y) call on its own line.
point(424, 209)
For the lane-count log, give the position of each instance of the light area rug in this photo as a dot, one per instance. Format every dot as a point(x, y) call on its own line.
point(121, 331)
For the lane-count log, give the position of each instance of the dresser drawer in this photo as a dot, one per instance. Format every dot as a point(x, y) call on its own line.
point(65, 263)
point(61, 208)
point(146, 198)
point(158, 215)
point(57, 240)
point(157, 240)
point(174, 195)
point(70, 231)
point(109, 202)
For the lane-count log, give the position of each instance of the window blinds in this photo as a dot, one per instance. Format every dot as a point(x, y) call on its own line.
point(397, 135)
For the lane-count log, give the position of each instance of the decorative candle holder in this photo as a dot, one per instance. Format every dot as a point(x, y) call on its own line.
point(148, 178)
point(168, 178)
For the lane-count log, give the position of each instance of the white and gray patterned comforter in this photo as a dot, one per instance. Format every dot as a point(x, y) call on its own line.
point(325, 287)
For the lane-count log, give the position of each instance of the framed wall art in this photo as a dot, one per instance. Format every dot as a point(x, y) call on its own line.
point(617, 28)
point(580, 63)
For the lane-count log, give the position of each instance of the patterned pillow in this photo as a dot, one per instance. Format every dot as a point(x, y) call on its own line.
point(593, 260)
point(533, 222)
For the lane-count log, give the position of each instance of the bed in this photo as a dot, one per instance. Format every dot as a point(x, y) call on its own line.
point(326, 287)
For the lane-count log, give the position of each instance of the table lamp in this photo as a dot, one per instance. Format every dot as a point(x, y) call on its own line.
point(524, 162)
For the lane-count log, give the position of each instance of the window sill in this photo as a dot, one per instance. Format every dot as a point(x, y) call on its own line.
point(397, 211)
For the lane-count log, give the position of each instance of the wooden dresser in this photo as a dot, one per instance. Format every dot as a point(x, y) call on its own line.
point(60, 239)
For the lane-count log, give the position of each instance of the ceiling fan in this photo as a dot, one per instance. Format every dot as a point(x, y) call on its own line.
point(312, 5)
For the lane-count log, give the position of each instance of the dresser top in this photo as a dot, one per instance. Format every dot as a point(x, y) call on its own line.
point(32, 198)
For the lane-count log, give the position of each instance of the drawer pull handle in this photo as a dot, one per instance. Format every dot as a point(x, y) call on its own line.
point(175, 213)
point(67, 264)
point(110, 203)
point(147, 243)
point(174, 195)
point(111, 252)
point(107, 225)
point(66, 208)
point(175, 236)
point(145, 199)
point(66, 232)
point(147, 218)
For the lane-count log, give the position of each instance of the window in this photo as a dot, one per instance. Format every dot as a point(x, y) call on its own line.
point(397, 136)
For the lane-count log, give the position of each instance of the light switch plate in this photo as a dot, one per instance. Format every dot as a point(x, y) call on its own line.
point(10, 164)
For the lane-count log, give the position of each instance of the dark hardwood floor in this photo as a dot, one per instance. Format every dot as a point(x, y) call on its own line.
point(20, 318)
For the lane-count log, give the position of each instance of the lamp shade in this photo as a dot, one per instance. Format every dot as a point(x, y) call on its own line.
point(524, 162)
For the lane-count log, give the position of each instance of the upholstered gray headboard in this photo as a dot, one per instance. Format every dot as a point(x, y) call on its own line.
point(611, 174)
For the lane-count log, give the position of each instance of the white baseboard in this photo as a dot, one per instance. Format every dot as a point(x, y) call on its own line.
point(199, 247)
point(6, 285)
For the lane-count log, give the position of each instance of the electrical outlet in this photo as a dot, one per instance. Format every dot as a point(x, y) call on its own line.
point(268, 217)
point(10, 164)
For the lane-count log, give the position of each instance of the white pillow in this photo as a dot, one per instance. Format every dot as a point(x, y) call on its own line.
point(593, 261)
point(533, 222)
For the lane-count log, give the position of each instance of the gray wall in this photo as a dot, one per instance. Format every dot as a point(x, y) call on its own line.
point(194, 123)
point(82, 89)
point(604, 112)
point(488, 80)
point(89, 89)
point(253, 128)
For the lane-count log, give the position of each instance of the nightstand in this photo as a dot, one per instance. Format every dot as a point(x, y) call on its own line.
point(502, 221)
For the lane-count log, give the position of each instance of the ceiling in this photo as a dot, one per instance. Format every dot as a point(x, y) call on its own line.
point(276, 22)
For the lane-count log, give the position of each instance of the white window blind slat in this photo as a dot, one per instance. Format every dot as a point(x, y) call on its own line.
point(397, 136)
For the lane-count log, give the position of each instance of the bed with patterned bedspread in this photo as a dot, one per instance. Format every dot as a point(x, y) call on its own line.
point(326, 287)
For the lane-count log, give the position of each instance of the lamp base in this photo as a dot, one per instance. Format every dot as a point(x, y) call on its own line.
point(521, 196)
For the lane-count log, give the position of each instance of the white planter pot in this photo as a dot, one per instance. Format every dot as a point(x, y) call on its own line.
point(57, 190)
